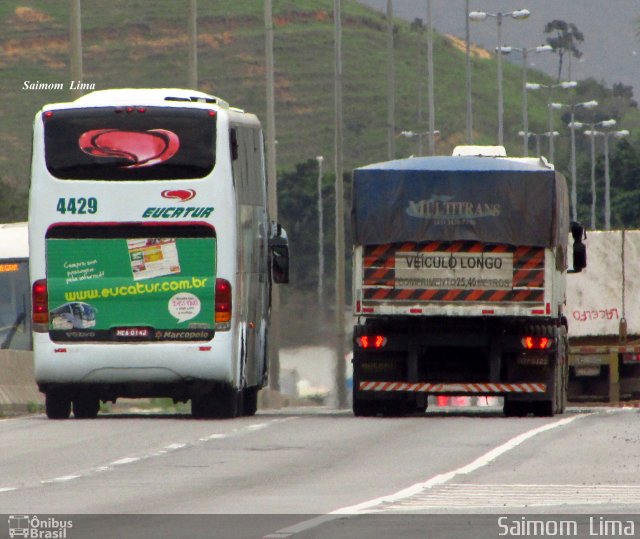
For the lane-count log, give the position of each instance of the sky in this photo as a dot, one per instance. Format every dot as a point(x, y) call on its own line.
point(611, 48)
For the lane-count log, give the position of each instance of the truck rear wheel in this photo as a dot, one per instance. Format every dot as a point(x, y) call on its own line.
point(514, 408)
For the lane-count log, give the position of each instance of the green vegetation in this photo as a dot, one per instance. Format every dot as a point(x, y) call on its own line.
point(143, 44)
point(136, 43)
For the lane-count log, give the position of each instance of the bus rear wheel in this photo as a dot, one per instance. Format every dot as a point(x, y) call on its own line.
point(86, 407)
point(222, 402)
point(57, 405)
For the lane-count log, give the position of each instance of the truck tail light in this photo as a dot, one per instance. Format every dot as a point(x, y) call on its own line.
point(371, 342)
point(631, 358)
point(223, 305)
point(40, 302)
point(536, 343)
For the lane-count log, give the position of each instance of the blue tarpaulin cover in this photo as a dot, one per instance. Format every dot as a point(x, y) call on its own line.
point(485, 199)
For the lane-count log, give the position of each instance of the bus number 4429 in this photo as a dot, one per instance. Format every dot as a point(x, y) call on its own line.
point(78, 206)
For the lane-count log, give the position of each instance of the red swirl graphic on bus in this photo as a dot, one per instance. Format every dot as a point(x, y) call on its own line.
point(140, 148)
point(181, 194)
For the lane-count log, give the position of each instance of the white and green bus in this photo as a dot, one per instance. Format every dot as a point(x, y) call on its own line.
point(152, 252)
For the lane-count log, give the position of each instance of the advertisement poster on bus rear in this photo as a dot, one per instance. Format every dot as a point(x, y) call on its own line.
point(131, 289)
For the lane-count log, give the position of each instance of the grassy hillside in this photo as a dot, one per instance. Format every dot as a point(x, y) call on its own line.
point(142, 44)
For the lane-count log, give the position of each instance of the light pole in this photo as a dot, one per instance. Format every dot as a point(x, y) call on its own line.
point(341, 368)
point(591, 133)
point(566, 85)
point(525, 53)
point(272, 192)
point(192, 59)
point(75, 38)
point(607, 180)
point(572, 126)
point(430, 98)
point(538, 136)
point(467, 40)
point(320, 159)
point(518, 14)
point(391, 84)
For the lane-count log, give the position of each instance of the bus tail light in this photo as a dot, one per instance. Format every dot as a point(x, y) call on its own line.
point(40, 302)
point(223, 305)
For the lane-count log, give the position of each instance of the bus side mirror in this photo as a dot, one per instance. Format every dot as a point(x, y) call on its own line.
point(579, 248)
point(279, 255)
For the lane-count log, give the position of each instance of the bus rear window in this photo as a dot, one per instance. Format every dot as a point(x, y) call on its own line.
point(129, 143)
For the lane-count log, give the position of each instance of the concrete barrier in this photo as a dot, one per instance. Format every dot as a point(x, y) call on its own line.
point(18, 390)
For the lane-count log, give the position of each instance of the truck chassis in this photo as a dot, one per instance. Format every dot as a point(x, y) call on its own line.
point(399, 361)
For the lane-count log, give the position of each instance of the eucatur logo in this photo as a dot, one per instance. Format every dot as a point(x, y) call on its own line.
point(179, 194)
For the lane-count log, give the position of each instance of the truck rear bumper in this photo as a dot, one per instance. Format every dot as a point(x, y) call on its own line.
point(452, 388)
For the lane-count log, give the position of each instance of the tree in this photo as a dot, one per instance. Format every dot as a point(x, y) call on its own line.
point(564, 41)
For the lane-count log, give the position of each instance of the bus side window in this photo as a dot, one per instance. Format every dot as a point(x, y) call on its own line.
point(233, 139)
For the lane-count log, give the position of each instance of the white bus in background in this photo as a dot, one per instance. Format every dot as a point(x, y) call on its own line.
point(15, 295)
point(152, 252)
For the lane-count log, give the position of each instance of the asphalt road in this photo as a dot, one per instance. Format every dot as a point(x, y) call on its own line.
point(297, 473)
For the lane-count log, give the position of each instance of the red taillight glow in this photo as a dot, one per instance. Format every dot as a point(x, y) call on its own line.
point(48, 114)
point(536, 343)
point(371, 341)
point(223, 304)
point(212, 113)
point(40, 302)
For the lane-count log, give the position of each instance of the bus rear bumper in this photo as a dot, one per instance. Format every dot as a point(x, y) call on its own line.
point(134, 364)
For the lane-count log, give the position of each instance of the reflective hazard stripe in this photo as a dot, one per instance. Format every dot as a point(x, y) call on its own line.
point(426, 387)
point(379, 262)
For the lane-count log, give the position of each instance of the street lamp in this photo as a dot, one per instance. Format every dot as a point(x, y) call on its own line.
point(419, 135)
point(588, 105)
point(565, 85)
point(591, 133)
point(607, 180)
point(320, 159)
point(518, 14)
point(525, 53)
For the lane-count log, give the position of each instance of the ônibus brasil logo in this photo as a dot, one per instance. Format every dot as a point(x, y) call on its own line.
point(179, 194)
point(40, 528)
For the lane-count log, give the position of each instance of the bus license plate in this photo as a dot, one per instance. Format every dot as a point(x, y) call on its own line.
point(132, 333)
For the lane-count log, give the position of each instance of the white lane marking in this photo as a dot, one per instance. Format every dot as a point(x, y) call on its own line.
point(214, 437)
point(62, 479)
point(439, 479)
point(176, 446)
point(125, 460)
point(467, 496)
